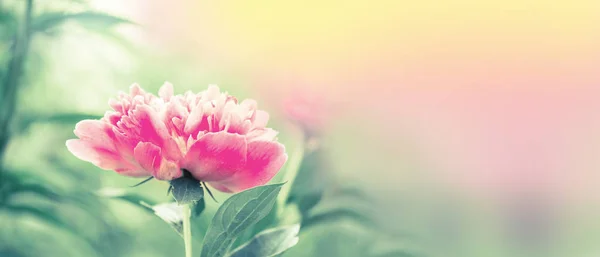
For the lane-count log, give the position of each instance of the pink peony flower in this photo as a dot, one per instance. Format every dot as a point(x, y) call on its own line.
point(218, 140)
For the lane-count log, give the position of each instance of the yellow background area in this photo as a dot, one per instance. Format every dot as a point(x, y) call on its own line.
point(327, 39)
point(396, 44)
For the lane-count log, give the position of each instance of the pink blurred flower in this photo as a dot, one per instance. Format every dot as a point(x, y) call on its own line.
point(218, 140)
point(308, 110)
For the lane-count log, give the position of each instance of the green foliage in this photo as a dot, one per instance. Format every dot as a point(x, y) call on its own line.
point(119, 193)
point(269, 243)
point(42, 214)
point(26, 196)
point(8, 25)
point(172, 214)
point(186, 189)
point(314, 177)
point(236, 214)
point(199, 207)
point(89, 19)
point(334, 215)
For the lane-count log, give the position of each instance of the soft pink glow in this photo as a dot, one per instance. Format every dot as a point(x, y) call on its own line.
point(210, 134)
point(307, 109)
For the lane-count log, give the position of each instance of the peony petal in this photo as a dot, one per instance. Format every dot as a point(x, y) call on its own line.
point(216, 156)
point(220, 187)
point(149, 127)
point(261, 119)
point(151, 158)
point(173, 147)
point(174, 115)
point(133, 172)
point(263, 161)
point(148, 156)
point(265, 134)
point(96, 132)
point(166, 91)
point(85, 151)
point(117, 105)
point(103, 158)
point(196, 121)
point(238, 126)
point(212, 93)
point(249, 104)
point(111, 117)
point(125, 143)
point(135, 90)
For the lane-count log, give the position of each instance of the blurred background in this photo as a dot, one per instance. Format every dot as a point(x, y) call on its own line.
point(428, 128)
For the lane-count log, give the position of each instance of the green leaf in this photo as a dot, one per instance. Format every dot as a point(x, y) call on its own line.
point(40, 190)
point(8, 25)
point(87, 19)
point(313, 178)
point(198, 208)
point(47, 215)
point(123, 194)
point(306, 202)
point(337, 215)
point(14, 183)
point(269, 243)
point(187, 189)
point(11, 252)
point(172, 214)
point(269, 221)
point(236, 214)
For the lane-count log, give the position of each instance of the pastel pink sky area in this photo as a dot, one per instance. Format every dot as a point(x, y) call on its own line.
point(500, 95)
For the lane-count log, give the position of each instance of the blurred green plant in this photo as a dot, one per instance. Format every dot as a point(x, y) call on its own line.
point(272, 242)
point(24, 194)
point(18, 36)
point(238, 213)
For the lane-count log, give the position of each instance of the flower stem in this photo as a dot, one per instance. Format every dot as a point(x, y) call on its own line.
point(187, 230)
point(291, 172)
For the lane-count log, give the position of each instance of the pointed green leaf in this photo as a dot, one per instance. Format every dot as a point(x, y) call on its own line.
point(198, 208)
point(187, 189)
point(172, 214)
point(269, 243)
point(337, 215)
point(235, 215)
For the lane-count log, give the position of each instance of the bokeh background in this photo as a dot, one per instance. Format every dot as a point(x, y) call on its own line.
point(429, 128)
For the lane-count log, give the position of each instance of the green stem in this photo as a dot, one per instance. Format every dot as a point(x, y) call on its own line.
point(8, 91)
point(187, 230)
point(290, 173)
